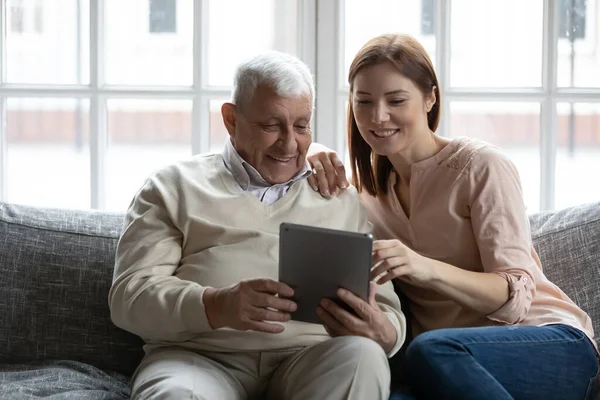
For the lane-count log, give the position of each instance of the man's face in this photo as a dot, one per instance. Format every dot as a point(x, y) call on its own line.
point(272, 133)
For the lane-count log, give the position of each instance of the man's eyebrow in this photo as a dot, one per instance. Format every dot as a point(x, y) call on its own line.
point(387, 93)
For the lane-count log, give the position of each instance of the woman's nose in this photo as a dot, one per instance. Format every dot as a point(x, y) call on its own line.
point(380, 115)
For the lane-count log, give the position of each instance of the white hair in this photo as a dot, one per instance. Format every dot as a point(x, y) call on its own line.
point(285, 74)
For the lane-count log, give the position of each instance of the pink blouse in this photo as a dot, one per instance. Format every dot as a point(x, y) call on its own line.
point(467, 210)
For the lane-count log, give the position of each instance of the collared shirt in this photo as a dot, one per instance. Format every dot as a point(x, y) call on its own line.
point(249, 179)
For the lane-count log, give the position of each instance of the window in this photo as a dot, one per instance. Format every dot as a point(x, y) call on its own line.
point(502, 81)
point(571, 19)
point(26, 16)
point(163, 16)
point(83, 122)
point(95, 105)
point(427, 17)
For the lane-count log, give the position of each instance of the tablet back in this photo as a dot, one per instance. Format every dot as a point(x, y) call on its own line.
point(315, 262)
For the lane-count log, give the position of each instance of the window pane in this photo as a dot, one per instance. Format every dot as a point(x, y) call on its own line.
point(578, 38)
point(48, 152)
point(514, 128)
point(364, 20)
point(163, 16)
point(48, 42)
point(239, 29)
point(500, 51)
point(144, 135)
point(218, 132)
point(138, 54)
point(578, 154)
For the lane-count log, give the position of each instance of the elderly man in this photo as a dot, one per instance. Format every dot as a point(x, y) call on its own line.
point(196, 266)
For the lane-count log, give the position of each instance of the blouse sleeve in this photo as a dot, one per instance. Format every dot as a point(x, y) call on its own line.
point(501, 229)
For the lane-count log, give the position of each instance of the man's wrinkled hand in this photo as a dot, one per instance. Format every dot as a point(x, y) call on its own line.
point(249, 304)
point(369, 321)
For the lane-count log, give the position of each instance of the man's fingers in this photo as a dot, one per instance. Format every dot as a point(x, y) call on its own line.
point(347, 320)
point(361, 307)
point(264, 327)
point(264, 314)
point(373, 288)
point(265, 300)
point(267, 285)
point(332, 325)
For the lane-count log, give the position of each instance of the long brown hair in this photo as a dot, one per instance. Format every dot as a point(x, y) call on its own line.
point(371, 171)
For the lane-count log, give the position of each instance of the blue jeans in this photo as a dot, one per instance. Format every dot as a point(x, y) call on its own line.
point(504, 362)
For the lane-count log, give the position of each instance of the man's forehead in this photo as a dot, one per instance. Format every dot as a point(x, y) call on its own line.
point(274, 103)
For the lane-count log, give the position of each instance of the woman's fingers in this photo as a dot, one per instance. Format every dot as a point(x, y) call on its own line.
point(386, 244)
point(387, 264)
point(312, 181)
point(340, 171)
point(398, 272)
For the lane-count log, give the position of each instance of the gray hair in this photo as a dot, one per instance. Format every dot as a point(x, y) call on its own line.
point(285, 74)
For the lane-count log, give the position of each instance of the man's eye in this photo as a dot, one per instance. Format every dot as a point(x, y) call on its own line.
point(271, 127)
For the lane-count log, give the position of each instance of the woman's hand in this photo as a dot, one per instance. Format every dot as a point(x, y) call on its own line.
point(329, 173)
point(369, 321)
point(393, 259)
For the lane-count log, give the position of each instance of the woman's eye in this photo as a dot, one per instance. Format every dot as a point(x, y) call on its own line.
point(397, 101)
point(363, 101)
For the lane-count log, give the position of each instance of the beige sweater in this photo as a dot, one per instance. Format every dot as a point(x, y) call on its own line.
point(189, 228)
point(467, 210)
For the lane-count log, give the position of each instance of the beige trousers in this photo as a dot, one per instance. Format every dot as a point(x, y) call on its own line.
point(341, 368)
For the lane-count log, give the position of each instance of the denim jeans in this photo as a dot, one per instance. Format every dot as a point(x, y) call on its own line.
point(504, 362)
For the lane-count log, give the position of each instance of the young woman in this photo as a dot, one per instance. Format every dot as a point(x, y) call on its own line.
point(454, 236)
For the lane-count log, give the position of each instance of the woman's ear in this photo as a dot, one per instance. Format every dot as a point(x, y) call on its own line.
point(229, 117)
point(431, 99)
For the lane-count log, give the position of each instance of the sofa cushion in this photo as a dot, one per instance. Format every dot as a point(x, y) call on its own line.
point(61, 380)
point(568, 243)
point(56, 268)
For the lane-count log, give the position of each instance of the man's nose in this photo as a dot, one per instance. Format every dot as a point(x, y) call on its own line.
point(287, 139)
point(380, 114)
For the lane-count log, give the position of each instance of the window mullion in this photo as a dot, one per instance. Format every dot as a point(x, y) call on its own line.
point(3, 140)
point(200, 113)
point(98, 134)
point(442, 39)
point(548, 115)
point(307, 26)
point(329, 49)
point(3, 152)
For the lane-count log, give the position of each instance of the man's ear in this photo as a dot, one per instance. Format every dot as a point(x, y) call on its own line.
point(229, 117)
point(431, 99)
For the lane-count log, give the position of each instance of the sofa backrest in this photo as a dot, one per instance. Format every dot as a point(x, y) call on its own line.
point(56, 268)
point(568, 243)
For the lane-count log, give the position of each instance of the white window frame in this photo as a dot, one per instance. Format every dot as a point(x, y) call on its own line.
point(330, 126)
point(98, 91)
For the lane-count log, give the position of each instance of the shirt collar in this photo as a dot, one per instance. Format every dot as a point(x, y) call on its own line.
point(246, 175)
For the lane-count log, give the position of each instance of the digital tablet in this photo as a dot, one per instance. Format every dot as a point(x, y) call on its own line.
point(315, 262)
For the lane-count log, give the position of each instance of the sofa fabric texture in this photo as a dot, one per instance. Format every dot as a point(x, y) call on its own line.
point(56, 337)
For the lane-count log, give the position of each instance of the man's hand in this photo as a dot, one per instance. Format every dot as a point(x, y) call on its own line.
point(248, 304)
point(370, 321)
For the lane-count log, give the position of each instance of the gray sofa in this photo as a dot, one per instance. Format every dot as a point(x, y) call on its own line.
point(56, 336)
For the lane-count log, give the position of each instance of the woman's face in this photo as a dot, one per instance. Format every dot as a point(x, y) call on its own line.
point(390, 110)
